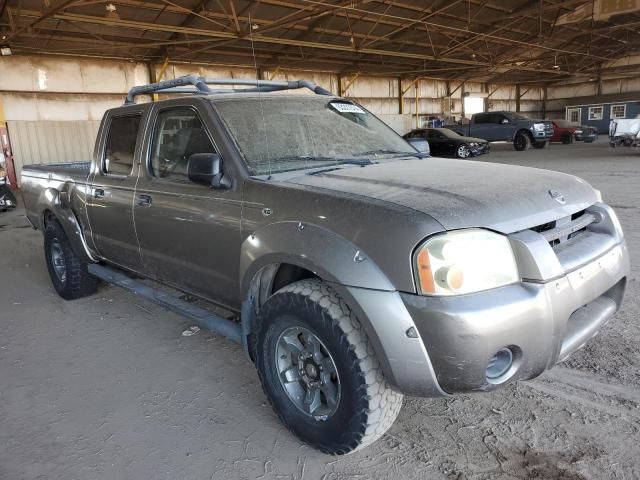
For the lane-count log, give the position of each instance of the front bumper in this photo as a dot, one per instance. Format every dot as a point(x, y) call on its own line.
point(567, 294)
point(586, 136)
point(542, 323)
point(480, 149)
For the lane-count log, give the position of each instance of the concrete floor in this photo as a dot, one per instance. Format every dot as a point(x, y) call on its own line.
point(107, 387)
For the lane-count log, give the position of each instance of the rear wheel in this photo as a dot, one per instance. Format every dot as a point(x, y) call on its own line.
point(68, 272)
point(319, 371)
point(521, 142)
point(463, 151)
point(567, 139)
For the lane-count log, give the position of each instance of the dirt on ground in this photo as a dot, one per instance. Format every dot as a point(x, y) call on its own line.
point(107, 387)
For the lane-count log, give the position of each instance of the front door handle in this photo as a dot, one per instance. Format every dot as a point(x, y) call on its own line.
point(144, 200)
point(98, 193)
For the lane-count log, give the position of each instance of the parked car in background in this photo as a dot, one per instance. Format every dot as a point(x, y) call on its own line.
point(508, 127)
point(445, 142)
point(566, 132)
point(586, 133)
point(624, 132)
point(7, 198)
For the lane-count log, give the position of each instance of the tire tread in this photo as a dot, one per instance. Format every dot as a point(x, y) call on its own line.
point(383, 403)
point(80, 283)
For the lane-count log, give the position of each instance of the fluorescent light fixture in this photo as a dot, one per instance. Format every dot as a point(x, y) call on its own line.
point(5, 50)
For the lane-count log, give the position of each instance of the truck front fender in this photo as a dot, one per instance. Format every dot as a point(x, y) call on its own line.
point(355, 277)
point(330, 256)
point(55, 204)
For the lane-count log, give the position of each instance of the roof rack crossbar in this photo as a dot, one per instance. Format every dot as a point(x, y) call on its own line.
point(200, 85)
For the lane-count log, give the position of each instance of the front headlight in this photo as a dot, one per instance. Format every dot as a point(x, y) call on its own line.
point(538, 127)
point(464, 261)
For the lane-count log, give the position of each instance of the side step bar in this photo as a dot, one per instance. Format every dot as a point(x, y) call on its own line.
point(200, 316)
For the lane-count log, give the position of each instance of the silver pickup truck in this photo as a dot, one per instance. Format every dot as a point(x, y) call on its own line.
point(354, 268)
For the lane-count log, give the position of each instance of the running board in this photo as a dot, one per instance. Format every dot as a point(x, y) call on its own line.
point(200, 316)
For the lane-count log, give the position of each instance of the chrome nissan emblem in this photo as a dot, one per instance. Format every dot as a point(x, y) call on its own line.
point(557, 196)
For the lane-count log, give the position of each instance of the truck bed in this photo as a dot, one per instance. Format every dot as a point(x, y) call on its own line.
point(53, 177)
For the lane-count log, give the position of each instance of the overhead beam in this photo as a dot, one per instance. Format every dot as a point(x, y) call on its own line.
point(46, 14)
point(276, 40)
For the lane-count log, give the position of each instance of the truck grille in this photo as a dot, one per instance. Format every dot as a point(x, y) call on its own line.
point(567, 228)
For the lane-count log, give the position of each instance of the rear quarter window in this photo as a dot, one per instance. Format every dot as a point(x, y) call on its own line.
point(120, 147)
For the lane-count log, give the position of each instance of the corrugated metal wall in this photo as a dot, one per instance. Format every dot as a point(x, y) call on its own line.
point(51, 141)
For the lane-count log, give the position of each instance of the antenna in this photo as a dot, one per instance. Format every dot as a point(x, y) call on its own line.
point(264, 121)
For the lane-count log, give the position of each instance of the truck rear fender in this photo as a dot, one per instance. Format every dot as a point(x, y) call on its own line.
point(56, 205)
point(317, 252)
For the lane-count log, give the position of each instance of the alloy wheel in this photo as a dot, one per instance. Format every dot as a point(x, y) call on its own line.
point(57, 260)
point(308, 373)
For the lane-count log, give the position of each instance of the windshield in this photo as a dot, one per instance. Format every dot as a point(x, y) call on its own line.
point(282, 133)
point(448, 133)
point(515, 116)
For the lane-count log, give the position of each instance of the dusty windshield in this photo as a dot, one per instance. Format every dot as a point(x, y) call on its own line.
point(282, 133)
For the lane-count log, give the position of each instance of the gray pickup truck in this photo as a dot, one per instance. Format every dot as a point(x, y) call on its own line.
point(507, 127)
point(353, 268)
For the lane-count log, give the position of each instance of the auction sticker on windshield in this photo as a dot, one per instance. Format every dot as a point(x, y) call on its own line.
point(344, 107)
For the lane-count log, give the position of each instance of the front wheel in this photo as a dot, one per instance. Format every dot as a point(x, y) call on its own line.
point(68, 272)
point(463, 151)
point(539, 145)
point(319, 371)
point(521, 142)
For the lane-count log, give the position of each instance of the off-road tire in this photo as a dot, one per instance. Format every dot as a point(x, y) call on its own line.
point(78, 282)
point(367, 407)
point(522, 141)
point(540, 145)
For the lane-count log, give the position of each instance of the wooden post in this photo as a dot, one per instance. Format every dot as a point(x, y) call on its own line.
point(417, 102)
point(518, 95)
point(462, 99)
point(400, 97)
point(544, 102)
point(5, 148)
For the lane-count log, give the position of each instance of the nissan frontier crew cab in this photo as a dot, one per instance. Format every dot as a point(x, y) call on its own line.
point(355, 269)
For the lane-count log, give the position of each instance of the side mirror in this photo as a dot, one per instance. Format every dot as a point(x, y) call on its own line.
point(206, 169)
point(420, 144)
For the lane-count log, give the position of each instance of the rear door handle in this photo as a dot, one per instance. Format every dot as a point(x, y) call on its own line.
point(98, 193)
point(144, 200)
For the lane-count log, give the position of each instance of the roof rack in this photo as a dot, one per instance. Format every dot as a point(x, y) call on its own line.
point(200, 85)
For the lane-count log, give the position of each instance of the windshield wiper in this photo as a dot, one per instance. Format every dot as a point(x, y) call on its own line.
point(336, 160)
point(396, 153)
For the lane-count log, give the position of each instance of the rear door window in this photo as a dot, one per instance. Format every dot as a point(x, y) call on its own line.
point(121, 145)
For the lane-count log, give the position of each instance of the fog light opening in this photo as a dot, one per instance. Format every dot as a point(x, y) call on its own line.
point(499, 365)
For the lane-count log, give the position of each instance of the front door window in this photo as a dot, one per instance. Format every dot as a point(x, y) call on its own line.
point(179, 133)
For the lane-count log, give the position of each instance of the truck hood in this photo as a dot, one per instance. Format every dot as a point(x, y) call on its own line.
point(463, 194)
